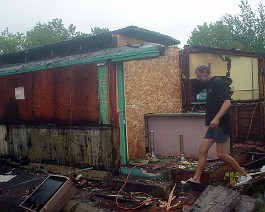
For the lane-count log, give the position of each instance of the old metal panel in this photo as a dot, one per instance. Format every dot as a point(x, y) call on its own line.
point(79, 146)
point(84, 94)
point(167, 129)
point(3, 141)
point(103, 95)
point(51, 94)
point(14, 109)
point(66, 95)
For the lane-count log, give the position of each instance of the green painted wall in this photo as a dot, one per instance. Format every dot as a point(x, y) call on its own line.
point(103, 94)
point(121, 109)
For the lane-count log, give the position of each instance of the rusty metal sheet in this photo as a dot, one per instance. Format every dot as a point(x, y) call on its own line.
point(65, 95)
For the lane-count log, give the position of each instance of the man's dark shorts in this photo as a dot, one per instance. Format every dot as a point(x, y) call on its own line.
point(217, 134)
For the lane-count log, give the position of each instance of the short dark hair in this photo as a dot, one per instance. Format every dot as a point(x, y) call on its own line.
point(202, 68)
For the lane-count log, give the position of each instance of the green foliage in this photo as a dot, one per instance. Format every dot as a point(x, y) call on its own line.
point(42, 34)
point(97, 30)
point(10, 42)
point(49, 33)
point(244, 31)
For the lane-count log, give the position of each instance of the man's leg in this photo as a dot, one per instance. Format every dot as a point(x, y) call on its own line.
point(221, 149)
point(203, 154)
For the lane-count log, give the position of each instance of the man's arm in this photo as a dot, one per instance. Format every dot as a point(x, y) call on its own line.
point(225, 106)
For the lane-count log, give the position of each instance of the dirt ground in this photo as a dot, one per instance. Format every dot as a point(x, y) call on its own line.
point(91, 195)
point(16, 190)
point(13, 192)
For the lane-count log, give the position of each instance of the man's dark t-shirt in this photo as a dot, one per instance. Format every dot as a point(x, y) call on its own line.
point(217, 93)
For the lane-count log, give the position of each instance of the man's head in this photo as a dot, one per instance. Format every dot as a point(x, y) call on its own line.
point(203, 73)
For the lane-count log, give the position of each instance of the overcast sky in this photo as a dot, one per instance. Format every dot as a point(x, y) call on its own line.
point(171, 17)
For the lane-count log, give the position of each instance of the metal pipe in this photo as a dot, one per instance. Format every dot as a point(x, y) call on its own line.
point(181, 148)
point(181, 144)
point(147, 139)
point(152, 143)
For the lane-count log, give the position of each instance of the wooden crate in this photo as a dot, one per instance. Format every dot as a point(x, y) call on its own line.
point(51, 195)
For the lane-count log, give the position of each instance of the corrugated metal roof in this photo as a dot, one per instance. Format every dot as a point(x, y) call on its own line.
point(123, 53)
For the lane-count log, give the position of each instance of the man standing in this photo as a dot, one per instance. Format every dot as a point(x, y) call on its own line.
point(218, 118)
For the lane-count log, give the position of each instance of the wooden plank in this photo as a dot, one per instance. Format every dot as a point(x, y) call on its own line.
point(246, 204)
point(216, 199)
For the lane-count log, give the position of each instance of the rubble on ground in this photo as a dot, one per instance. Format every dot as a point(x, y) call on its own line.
point(102, 191)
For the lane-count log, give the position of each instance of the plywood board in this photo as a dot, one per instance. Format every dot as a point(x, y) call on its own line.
point(124, 40)
point(151, 86)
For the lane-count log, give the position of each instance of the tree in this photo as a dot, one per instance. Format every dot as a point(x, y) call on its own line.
point(10, 42)
point(243, 31)
point(41, 34)
point(97, 30)
point(260, 40)
point(49, 33)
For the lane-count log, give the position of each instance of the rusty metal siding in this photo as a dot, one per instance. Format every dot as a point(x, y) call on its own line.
point(61, 96)
point(11, 109)
point(83, 146)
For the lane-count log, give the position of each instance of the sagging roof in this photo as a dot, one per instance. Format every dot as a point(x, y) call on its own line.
point(123, 53)
point(86, 44)
point(144, 34)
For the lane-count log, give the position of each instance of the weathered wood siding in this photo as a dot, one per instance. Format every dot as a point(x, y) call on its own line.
point(61, 96)
point(3, 141)
point(248, 122)
point(151, 86)
point(114, 115)
point(82, 146)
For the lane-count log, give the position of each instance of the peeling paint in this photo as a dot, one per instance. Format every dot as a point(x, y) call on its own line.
point(75, 147)
point(3, 141)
